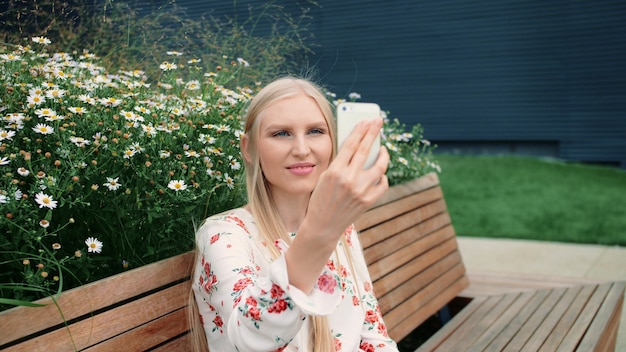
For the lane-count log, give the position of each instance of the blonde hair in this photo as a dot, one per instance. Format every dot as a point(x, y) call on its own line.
point(262, 205)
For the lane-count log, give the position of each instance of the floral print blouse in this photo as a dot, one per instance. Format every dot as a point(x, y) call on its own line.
point(247, 304)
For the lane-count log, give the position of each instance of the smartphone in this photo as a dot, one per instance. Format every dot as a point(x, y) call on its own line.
point(349, 114)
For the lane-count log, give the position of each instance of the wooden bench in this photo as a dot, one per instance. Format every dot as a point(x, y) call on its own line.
point(418, 272)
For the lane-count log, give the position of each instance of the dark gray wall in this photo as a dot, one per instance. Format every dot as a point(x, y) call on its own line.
point(531, 77)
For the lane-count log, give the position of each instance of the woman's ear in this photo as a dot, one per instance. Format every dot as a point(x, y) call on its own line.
point(245, 142)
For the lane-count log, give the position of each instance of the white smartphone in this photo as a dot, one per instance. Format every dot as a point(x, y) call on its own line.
point(348, 114)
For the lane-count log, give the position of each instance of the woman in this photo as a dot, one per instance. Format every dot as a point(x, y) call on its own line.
point(286, 272)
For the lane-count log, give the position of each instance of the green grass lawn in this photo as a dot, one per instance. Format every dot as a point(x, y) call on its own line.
point(529, 198)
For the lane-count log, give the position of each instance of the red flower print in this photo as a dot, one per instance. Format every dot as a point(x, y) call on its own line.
point(218, 321)
point(355, 301)
point(368, 286)
point(278, 306)
point(327, 283)
point(251, 301)
point(277, 291)
point(344, 271)
point(337, 345)
point(246, 271)
point(239, 222)
point(241, 284)
point(371, 316)
point(255, 313)
point(330, 265)
point(382, 329)
point(214, 238)
point(367, 347)
point(280, 349)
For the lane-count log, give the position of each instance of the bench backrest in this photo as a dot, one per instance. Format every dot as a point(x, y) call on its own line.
point(133, 311)
point(414, 260)
point(408, 242)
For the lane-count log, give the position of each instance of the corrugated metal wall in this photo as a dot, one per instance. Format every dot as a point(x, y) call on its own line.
point(542, 77)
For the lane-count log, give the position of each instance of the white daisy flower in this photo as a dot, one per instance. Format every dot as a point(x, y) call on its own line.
point(41, 40)
point(167, 66)
point(5, 160)
point(177, 185)
point(93, 245)
point(43, 129)
point(45, 201)
point(3, 198)
point(113, 184)
point(35, 99)
point(229, 181)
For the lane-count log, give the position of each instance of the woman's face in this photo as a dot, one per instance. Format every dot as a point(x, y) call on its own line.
point(294, 145)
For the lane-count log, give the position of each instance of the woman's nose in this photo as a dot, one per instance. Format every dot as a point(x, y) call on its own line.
point(301, 146)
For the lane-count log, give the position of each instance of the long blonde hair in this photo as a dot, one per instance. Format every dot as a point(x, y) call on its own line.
point(261, 202)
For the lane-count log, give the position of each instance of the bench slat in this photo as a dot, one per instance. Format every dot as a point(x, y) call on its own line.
point(109, 323)
point(147, 336)
point(91, 297)
point(606, 319)
point(569, 318)
point(400, 234)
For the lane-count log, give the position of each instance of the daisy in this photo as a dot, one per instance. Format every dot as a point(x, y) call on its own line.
point(110, 101)
point(10, 57)
point(234, 163)
point(55, 246)
point(129, 153)
point(164, 154)
point(243, 62)
point(149, 130)
point(45, 112)
point(194, 61)
point(177, 185)
point(6, 135)
point(5, 160)
point(174, 53)
point(192, 154)
point(229, 181)
point(77, 110)
point(41, 40)
point(166, 66)
point(3, 198)
point(23, 171)
point(45, 200)
point(93, 245)
point(55, 93)
point(206, 139)
point(142, 109)
point(79, 141)
point(113, 184)
point(43, 129)
point(193, 85)
point(35, 99)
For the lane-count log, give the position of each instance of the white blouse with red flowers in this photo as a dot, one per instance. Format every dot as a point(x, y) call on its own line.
point(247, 304)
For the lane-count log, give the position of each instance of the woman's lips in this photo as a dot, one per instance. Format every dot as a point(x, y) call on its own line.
point(301, 169)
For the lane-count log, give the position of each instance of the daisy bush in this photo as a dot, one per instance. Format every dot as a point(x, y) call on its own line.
point(104, 172)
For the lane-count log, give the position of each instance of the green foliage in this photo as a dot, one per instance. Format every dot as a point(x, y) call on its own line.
point(138, 34)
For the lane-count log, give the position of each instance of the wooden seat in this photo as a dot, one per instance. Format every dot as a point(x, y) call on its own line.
point(576, 318)
point(417, 269)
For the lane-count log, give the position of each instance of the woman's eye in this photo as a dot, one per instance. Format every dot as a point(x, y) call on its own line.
point(317, 131)
point(281, 134)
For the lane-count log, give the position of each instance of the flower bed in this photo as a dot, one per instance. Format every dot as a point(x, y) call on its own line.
point(103, 172)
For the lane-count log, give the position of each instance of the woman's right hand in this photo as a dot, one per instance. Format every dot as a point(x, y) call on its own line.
point(343, 192)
